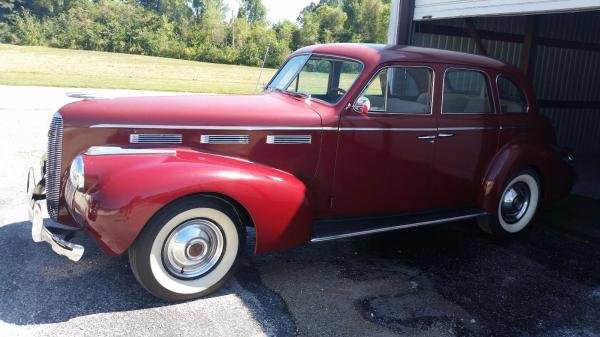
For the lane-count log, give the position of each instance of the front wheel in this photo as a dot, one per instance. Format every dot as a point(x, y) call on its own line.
point(517, 205)
point(187, 250)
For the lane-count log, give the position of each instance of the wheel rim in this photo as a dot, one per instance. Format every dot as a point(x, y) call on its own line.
point(515, 202)
point(193, 249)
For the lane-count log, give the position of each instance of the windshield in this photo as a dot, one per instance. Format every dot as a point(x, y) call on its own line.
point(320, 77)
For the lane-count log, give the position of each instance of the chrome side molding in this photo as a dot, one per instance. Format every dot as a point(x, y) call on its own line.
point(289, 139)
point(149, 138)
point(224, 139)
point(411, 224)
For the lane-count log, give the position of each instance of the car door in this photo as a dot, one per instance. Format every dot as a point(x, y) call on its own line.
point(384, 156)
point(467, 136)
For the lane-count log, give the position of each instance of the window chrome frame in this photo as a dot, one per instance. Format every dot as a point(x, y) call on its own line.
point(490, 94)
point(379, 70)
point(326, 56)
point(527, 104)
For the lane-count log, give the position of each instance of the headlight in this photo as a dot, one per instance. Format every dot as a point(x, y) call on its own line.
point(76, 173)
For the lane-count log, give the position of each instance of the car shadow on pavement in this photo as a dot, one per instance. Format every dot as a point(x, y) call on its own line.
point(38, 286)
point(447, 280)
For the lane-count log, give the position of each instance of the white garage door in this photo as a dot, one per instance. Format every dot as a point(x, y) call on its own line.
point(441, 9)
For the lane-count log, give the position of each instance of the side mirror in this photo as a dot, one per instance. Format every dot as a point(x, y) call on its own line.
point(362, 105)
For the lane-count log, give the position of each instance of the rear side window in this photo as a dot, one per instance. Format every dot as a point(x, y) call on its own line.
point(512, 99)
point(401, 90)
point(465, 92)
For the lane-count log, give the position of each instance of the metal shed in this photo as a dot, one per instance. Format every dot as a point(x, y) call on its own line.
point(556, 42)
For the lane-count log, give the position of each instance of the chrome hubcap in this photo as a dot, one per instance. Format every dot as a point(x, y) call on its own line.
point(193, 249)
point(515, 202)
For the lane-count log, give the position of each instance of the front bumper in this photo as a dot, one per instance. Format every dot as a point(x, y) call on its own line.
point(39, 232)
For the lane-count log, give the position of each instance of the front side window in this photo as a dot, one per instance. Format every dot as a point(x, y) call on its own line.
point(512, 99)
point(401, 90)
point(465, 92)
point(323, 78)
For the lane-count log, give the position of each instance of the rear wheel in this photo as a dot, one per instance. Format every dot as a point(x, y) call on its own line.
point(188, 249)
point(517, 205)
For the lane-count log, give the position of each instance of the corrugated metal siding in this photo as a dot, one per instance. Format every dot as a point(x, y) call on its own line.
point(578, 129)
point(559, 73)
point(582, 27)
point(567, 74)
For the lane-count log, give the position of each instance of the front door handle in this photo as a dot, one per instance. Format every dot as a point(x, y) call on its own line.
point(430, 138)
point(445, 135)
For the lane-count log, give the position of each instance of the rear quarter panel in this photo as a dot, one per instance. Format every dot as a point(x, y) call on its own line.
point(525, 142)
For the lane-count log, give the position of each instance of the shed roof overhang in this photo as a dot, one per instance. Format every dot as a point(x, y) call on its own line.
point(445, 9)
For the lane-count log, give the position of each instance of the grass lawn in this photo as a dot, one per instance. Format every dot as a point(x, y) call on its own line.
point(40, 66)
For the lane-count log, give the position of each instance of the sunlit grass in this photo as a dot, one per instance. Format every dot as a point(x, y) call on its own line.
point(40, 66)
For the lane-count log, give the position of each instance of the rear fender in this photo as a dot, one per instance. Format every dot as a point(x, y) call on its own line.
point(123, 192)
point(555, 174)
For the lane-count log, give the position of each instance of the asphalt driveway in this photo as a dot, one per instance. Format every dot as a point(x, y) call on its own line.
point(449, 280)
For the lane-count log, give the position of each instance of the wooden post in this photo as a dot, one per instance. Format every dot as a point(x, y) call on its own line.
point(401, 22)
point(472, 31)
point(529, 44)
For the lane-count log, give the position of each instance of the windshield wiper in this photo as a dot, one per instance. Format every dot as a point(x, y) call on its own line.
point(303, 95)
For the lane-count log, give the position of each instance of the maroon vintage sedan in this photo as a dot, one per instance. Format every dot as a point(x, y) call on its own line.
point(346, 140)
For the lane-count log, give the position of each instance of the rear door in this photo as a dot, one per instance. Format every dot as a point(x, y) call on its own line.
point(467, 136)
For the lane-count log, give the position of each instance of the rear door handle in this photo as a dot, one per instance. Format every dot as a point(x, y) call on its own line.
point(445, 135)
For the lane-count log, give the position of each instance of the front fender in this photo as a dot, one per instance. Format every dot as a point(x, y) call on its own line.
point(123, 191)
point(555, 174)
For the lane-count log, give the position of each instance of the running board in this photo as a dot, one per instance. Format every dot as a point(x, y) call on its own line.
point(332, 229)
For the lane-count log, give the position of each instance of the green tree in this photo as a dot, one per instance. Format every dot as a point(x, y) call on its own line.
point(7, 7)
point(369, 20)
point(42, 8)
point(309, 32)
point(253, 10)
point(345, 21)
point(153, 5)
point(352, 9)
point(175, 10)
point(190, 29)
point(331, 23)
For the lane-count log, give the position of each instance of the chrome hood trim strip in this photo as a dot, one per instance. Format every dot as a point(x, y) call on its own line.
point(115, 150)
point(214, 127)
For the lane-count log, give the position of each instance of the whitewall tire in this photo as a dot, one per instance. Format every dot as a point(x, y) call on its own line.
point(188, 249)
point(516, 206)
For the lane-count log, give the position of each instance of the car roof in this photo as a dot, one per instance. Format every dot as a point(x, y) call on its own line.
point(379, 53)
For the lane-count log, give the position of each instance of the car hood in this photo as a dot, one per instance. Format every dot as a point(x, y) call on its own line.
point(269, 109)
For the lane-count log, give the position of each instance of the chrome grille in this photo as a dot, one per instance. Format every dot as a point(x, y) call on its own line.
point(289, 139)
point(53, 166)
point(224, 139)
point(155, 138)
